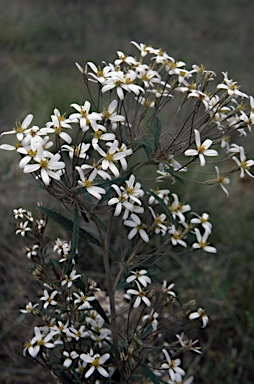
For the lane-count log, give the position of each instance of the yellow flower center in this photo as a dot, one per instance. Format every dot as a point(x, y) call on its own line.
point(31, 153)
point(118, 83)
point(158, 220)
point(58, 129)
point(128, 81)
point(129, 190)
point(100, 73)
point(61, 118)
point(98, 134)
point(109, 157)
point(87, 183)
point(44, 164)
point(137, 274)
point(83, 113)
point(201, 149)
point(244, 165)
point(105, 114)
point(96, 362)
point(19, 128)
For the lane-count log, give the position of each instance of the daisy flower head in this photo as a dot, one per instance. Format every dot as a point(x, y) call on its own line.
point(151, 318)
point(202, 241)
point(173, 366)
point(167, 289)
point(79, 151)
point(202, 149)
point(111, 114)
point(29, 308)
point(23, 228)
point(231, 87)
point(20, 128)
point(121, 201)
point(31, 251)
point(141, 296)
point(243, 164)
point(133, 190)
point(99, 74)
point(95, 361)
point(202, 220)
point(41, 339)
point(47, 166)
point(159, 222)
point(222, 180)
point(69, 357)
point(122, 82)
point(178, 208)
point(200, 313)
point(140, 276)
point(137, 228)
point(49, 299)
point(109, 158)
point(19, 213)
point(83, 116)
point(123, 58)
point(89, 184)
point(68, 280)
point(144, 49)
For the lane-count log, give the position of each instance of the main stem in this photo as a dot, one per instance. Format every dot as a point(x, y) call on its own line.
point(105, 240)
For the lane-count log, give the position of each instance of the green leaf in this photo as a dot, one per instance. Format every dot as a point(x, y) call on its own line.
point(74, 240)
point(68, 225)
point(149, 373)
point(65, 379)
point(36, 184)
point(161, 202)
point(148, 147)
point(96, 305)
point(157, 132)
point(171, 172)
point(80, 284)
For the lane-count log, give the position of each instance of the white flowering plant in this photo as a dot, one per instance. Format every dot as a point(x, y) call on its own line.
point(114, 163)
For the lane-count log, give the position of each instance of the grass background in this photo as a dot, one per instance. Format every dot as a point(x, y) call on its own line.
point(40, 40)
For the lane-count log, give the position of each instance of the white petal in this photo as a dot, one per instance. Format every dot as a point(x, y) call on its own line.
point(144, 235)
point(31, 168)
point(89, 372)
point(45, 176)
point(191, 152)
point(132, 233)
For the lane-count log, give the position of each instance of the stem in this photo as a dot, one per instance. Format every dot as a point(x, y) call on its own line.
point(105, 240)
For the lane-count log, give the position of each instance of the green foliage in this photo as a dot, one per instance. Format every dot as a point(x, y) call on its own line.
point(69, 225)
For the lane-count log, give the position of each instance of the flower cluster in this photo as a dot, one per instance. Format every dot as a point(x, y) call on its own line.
point(114, 163)
point(74, 313)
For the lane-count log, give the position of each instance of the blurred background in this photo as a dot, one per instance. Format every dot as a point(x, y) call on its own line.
point(40, 41)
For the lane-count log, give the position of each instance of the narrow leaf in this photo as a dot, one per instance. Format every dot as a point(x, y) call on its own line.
point(80, 284)
point(74, 239)
point(96, 305)
point(148, 147)
point(173, 174)
point(68, 224)
point(65, 379)
point(149, 373)
point(157, 132)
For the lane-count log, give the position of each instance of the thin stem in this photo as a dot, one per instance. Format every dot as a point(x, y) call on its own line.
point(105, 240)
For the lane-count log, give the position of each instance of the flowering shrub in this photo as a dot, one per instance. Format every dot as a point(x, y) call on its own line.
point(113, 162)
